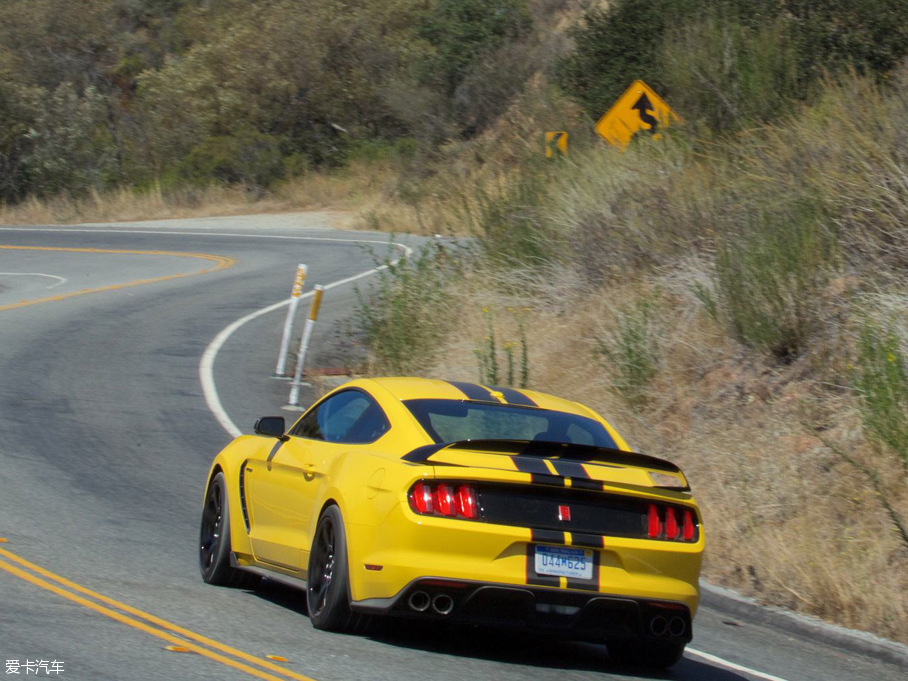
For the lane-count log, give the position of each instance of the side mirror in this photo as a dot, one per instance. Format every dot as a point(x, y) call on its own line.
point(271, 426)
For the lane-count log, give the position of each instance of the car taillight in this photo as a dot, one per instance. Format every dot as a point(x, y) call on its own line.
point(679, 524)
point(421, 499)
point(688, 526)
point(671, 524)
point(428, 498)
point(466, 503)
point(654, 528)
point(444, 495)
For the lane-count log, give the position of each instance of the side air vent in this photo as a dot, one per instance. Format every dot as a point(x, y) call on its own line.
point(243, 496)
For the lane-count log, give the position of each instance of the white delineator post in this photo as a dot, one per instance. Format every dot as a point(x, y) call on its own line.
point(304, 347)
point(295, 294)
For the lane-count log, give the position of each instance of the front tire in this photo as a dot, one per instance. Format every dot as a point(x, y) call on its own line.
point(328, 580)
point(650, 655)
point(214, 540)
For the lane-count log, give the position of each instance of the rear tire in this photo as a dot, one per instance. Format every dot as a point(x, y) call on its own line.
point(328, 579)
point(214, 541)
point(650, 655)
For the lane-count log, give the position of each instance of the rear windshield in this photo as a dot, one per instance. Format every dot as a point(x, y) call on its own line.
point(455, 420)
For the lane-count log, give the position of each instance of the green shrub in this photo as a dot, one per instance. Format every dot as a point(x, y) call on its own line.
point(729, 60)
point(882, 384)
point(770, 277)
point(71, 149)
point(249, 158)
point(725, 74)
point(18, 106)
point(630, 352)
point(465, 31)
point(404, 317)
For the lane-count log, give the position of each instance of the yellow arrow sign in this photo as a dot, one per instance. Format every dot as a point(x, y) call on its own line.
point(557, 139)
point(639, 108)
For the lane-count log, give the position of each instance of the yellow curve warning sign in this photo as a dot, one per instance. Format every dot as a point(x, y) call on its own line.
point(557, 139)
point(638, 109)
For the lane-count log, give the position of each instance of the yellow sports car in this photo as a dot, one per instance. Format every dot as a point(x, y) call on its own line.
point(446, 500)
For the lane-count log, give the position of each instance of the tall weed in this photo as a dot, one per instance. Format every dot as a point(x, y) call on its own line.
point(771, 276)
point(630, 352)
point(516, 357)
point(882, 384)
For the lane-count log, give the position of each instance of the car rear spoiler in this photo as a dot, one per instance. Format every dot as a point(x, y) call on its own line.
point(547, 450)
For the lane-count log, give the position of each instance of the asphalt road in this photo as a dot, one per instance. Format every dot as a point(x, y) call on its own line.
point(106, 438)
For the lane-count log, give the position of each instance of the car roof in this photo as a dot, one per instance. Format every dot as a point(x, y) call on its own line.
point(412, 388)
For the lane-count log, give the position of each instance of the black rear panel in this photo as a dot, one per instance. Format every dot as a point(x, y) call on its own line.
point(538, 508)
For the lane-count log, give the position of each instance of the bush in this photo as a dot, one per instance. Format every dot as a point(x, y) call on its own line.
point(18, 105)
point(249, 158)
point(406, 315)
point(71, 149)
point(725, 74)
point(729, 60)
point(465, 31)
point(770, 278)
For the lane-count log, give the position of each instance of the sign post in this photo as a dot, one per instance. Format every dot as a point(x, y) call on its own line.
point(304, 347)
point(639, 108)
point(295, 294)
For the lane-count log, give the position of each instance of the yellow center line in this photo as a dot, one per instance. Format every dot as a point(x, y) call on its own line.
point(221, 263)
point(119, 617)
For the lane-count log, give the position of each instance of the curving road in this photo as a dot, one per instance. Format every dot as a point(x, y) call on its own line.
point(107, 334)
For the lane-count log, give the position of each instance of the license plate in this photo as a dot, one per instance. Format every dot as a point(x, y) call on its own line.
point(559, 562)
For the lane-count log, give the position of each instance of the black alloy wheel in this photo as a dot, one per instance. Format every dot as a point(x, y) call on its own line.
point(328, 580)
point(214, 540)
point(323, 562)
point(212, 527)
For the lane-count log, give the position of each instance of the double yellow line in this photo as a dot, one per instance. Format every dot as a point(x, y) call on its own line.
point(177, 636)
point(221, 263)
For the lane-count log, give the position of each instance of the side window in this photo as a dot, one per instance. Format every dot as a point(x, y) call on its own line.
point(350, 417)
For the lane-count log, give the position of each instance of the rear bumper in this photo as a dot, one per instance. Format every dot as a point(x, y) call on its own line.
point(552, 612)
point(388, 559)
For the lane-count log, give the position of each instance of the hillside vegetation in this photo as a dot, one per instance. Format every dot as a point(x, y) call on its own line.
point(731, 296)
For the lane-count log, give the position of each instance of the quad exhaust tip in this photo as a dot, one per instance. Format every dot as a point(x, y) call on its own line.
point(419, 601)
point(677, 626)
point(658, 626)
point(443, 604)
